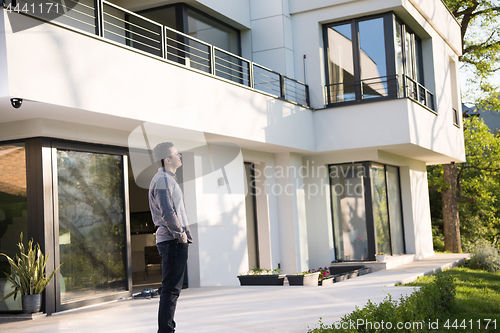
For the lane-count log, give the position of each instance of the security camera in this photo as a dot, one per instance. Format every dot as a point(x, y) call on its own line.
point(16, 102)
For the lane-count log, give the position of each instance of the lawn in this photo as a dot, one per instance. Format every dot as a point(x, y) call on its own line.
point(456, 300)
point(477, 300)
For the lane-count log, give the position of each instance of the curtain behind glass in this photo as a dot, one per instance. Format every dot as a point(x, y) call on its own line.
point(349, 217)
point(395, 210)
point(91, 224)
point(380, 213)
point(400, 70)
point(252, 233)
point(13, 214)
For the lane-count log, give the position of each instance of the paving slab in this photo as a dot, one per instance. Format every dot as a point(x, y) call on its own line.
point(287, 309)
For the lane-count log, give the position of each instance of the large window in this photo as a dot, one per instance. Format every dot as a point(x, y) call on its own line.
point(13, 214)
point(91, 224)
point(196, 24)
point(373, 58)
point(366, 208)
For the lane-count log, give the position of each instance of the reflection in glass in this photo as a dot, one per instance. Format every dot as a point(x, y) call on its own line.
point(91, 224)
point(372, 58)
point(349, 219)
point(340, 64)
point(380, 213)
point(250, 207)
point(13, 214)
point(410, 55)
point(399, 59)
point(212, 32)
point(396, 219)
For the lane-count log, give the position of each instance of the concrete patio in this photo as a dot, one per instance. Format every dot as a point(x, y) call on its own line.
point(242, 309)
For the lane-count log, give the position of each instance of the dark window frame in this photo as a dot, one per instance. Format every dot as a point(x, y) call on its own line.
point(254, 199)
point(181, 19)
point(368, 199)
point(419, 67)
point(390, 19)
point(56, 144)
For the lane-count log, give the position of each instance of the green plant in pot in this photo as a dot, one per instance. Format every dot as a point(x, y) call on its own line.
point(27, 275)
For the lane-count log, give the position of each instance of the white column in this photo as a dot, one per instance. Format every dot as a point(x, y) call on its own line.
point(272, 39)
point(292, 214)
point(416, 210)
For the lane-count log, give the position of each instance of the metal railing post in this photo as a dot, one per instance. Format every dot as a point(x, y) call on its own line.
point(308, 102)
point(212, 60)
point(251, 78)
point(99, 18)
point(163, 43)
point(282, 86)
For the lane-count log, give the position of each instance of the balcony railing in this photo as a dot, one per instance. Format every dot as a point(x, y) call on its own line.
point(386, 87)
point(121, 26)
point(418, 92)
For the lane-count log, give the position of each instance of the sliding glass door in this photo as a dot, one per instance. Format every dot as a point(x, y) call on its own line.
point(91, 211)
point(13, 214)
point(349, 209)
point(366, 209)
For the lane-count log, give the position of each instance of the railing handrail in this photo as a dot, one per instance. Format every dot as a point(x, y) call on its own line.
point(187, 36)
point(138, 41)
point(265, 68)
point(231, 54)
point(407, 83)
point(131, 13)
point(362, 80)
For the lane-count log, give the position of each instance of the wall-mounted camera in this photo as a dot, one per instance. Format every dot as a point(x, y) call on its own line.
point(16, 102)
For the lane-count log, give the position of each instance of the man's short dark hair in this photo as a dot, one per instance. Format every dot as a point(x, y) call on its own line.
point(162, 151)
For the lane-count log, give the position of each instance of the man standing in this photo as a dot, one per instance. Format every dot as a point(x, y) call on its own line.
point(166, 203)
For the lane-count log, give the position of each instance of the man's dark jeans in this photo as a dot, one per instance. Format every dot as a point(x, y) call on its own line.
point(174, 260)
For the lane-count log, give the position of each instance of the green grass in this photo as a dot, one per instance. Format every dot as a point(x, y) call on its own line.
point(477, 298)
point(456, 300)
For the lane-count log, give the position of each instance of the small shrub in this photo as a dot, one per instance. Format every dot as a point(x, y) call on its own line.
point(486, 257)
point(437, 236)
point(431, 301)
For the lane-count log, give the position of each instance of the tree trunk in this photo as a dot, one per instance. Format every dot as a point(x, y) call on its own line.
point(451, 219)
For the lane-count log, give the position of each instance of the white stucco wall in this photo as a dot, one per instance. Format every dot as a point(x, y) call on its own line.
point(78, 87)
point(267, 209)
point(93, 78)
point(4, 85)
point(416, 210)
point(375, 123)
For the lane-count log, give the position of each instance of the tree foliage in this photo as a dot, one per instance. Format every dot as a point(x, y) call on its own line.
point(480, 31)
point(478, 186)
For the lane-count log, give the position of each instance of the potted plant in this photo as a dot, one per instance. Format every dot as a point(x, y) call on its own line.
point(306, 278)
point(325, 278)
point(262, 277)
point(28, 275)
point(380, 257)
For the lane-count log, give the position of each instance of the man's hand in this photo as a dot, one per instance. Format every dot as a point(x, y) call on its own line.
point(183, 238)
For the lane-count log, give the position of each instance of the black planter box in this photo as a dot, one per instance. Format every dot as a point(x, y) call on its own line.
point(261, 280)
point(334, 270)
point(303, 280)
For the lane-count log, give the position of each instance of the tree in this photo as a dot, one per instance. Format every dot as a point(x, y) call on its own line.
point(480, 32)
point(481, 53)
point(476, 187)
